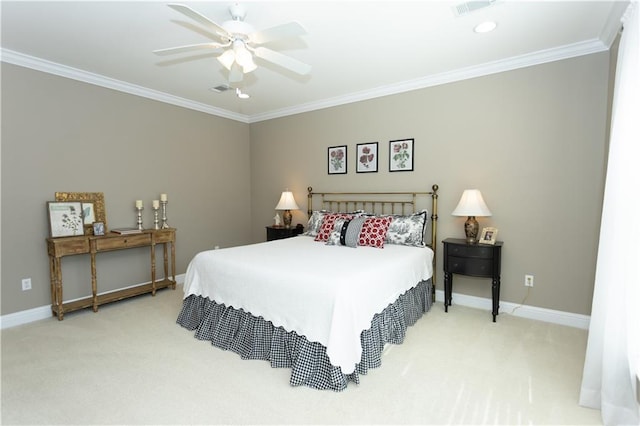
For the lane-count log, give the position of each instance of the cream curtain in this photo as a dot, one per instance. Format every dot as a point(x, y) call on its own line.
point(613, 350)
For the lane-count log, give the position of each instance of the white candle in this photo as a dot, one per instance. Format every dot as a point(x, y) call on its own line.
point(138, 204)
point(163, 197)
point(156, 204)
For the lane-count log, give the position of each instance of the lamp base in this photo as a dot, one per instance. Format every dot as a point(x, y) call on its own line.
point(471, 230)
point(286, 218)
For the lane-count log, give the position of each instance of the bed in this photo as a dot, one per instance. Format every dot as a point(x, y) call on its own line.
point(324, 303)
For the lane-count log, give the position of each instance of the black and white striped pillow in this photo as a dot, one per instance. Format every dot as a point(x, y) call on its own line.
point(352, 232)
point(346, 232)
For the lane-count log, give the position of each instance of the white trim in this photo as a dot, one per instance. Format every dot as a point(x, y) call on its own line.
point(44, 312)
point(531, 312)
point(524, 311)
point(613, 25)
point(516, 62)
point(25, 317)
point(38, 64)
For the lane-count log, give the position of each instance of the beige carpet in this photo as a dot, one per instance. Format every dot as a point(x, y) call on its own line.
point(131, 364)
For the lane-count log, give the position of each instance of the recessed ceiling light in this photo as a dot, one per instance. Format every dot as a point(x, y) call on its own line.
point(485, 27)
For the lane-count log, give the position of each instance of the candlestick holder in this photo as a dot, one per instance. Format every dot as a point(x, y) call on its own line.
point(165, 225)
point(156, 222)
point(140, 217)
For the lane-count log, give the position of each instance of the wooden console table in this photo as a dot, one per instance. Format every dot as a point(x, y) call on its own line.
point(57, 248)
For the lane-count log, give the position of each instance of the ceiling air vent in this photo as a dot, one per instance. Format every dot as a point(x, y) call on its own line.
point(220, 89)
point(471, 6)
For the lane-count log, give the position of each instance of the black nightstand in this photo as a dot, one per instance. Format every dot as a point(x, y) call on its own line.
point(476, 260)
point(280, 232)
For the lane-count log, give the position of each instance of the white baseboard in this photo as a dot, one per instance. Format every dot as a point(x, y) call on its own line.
point(524, 311)
point(44, 312)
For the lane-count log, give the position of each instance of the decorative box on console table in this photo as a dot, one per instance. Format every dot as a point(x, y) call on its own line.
point(58, 248)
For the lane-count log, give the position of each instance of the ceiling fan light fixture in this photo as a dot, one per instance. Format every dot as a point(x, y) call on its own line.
point(241, 42)
point(485, 27)
point(227, 59)
point(243, 56)
point(249, 67)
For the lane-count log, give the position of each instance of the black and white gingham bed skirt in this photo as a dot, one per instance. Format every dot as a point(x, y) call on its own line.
point(255, 338)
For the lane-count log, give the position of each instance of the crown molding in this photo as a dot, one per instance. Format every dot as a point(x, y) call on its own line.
point(516, 62)
point(614, 23)
point(38, 64)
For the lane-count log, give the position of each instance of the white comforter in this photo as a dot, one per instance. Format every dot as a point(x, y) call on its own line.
point(329, 294)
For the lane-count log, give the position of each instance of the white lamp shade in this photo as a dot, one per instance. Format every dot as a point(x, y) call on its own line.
point(471, 204)
point(287, 202)
point(227, 58)
point(249, 66)
point(242, 55)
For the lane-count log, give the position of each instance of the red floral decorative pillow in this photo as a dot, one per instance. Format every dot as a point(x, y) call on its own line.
point(327, 225)
point(374, 231)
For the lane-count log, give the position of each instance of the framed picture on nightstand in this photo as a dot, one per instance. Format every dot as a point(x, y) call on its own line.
point(488, 236)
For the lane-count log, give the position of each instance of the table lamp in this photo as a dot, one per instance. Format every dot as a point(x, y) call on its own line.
point(287, 203)
point(471, 205)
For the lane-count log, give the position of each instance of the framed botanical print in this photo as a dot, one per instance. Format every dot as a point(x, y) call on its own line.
point(367, 157)
point(401, 155)
point(92, 207)
point(337, 160)
point(65, 219)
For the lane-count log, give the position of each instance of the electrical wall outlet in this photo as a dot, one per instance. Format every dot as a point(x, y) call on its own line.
point(528, 280)
point(26, 284)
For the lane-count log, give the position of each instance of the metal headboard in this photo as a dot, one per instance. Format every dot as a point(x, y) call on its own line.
point(382, 203)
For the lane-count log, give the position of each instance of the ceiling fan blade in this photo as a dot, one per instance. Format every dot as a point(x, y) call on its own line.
point(291, 29)
point(282, 60)
point(189, 47)
point(196, 16)
point(235, 74)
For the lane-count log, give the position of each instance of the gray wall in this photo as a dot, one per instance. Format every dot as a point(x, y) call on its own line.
point(532, 140)
point(63, 135)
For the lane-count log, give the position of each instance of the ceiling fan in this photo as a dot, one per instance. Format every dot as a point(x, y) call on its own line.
point(240, 42)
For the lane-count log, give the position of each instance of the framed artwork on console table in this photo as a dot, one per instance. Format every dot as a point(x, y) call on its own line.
point(367, 157)
point(337, 160)
point(92, 207)
point(98, 228)
point(401, 155)
point(65, 219)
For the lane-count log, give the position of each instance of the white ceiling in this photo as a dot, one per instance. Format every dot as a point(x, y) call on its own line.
point(358, 49)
